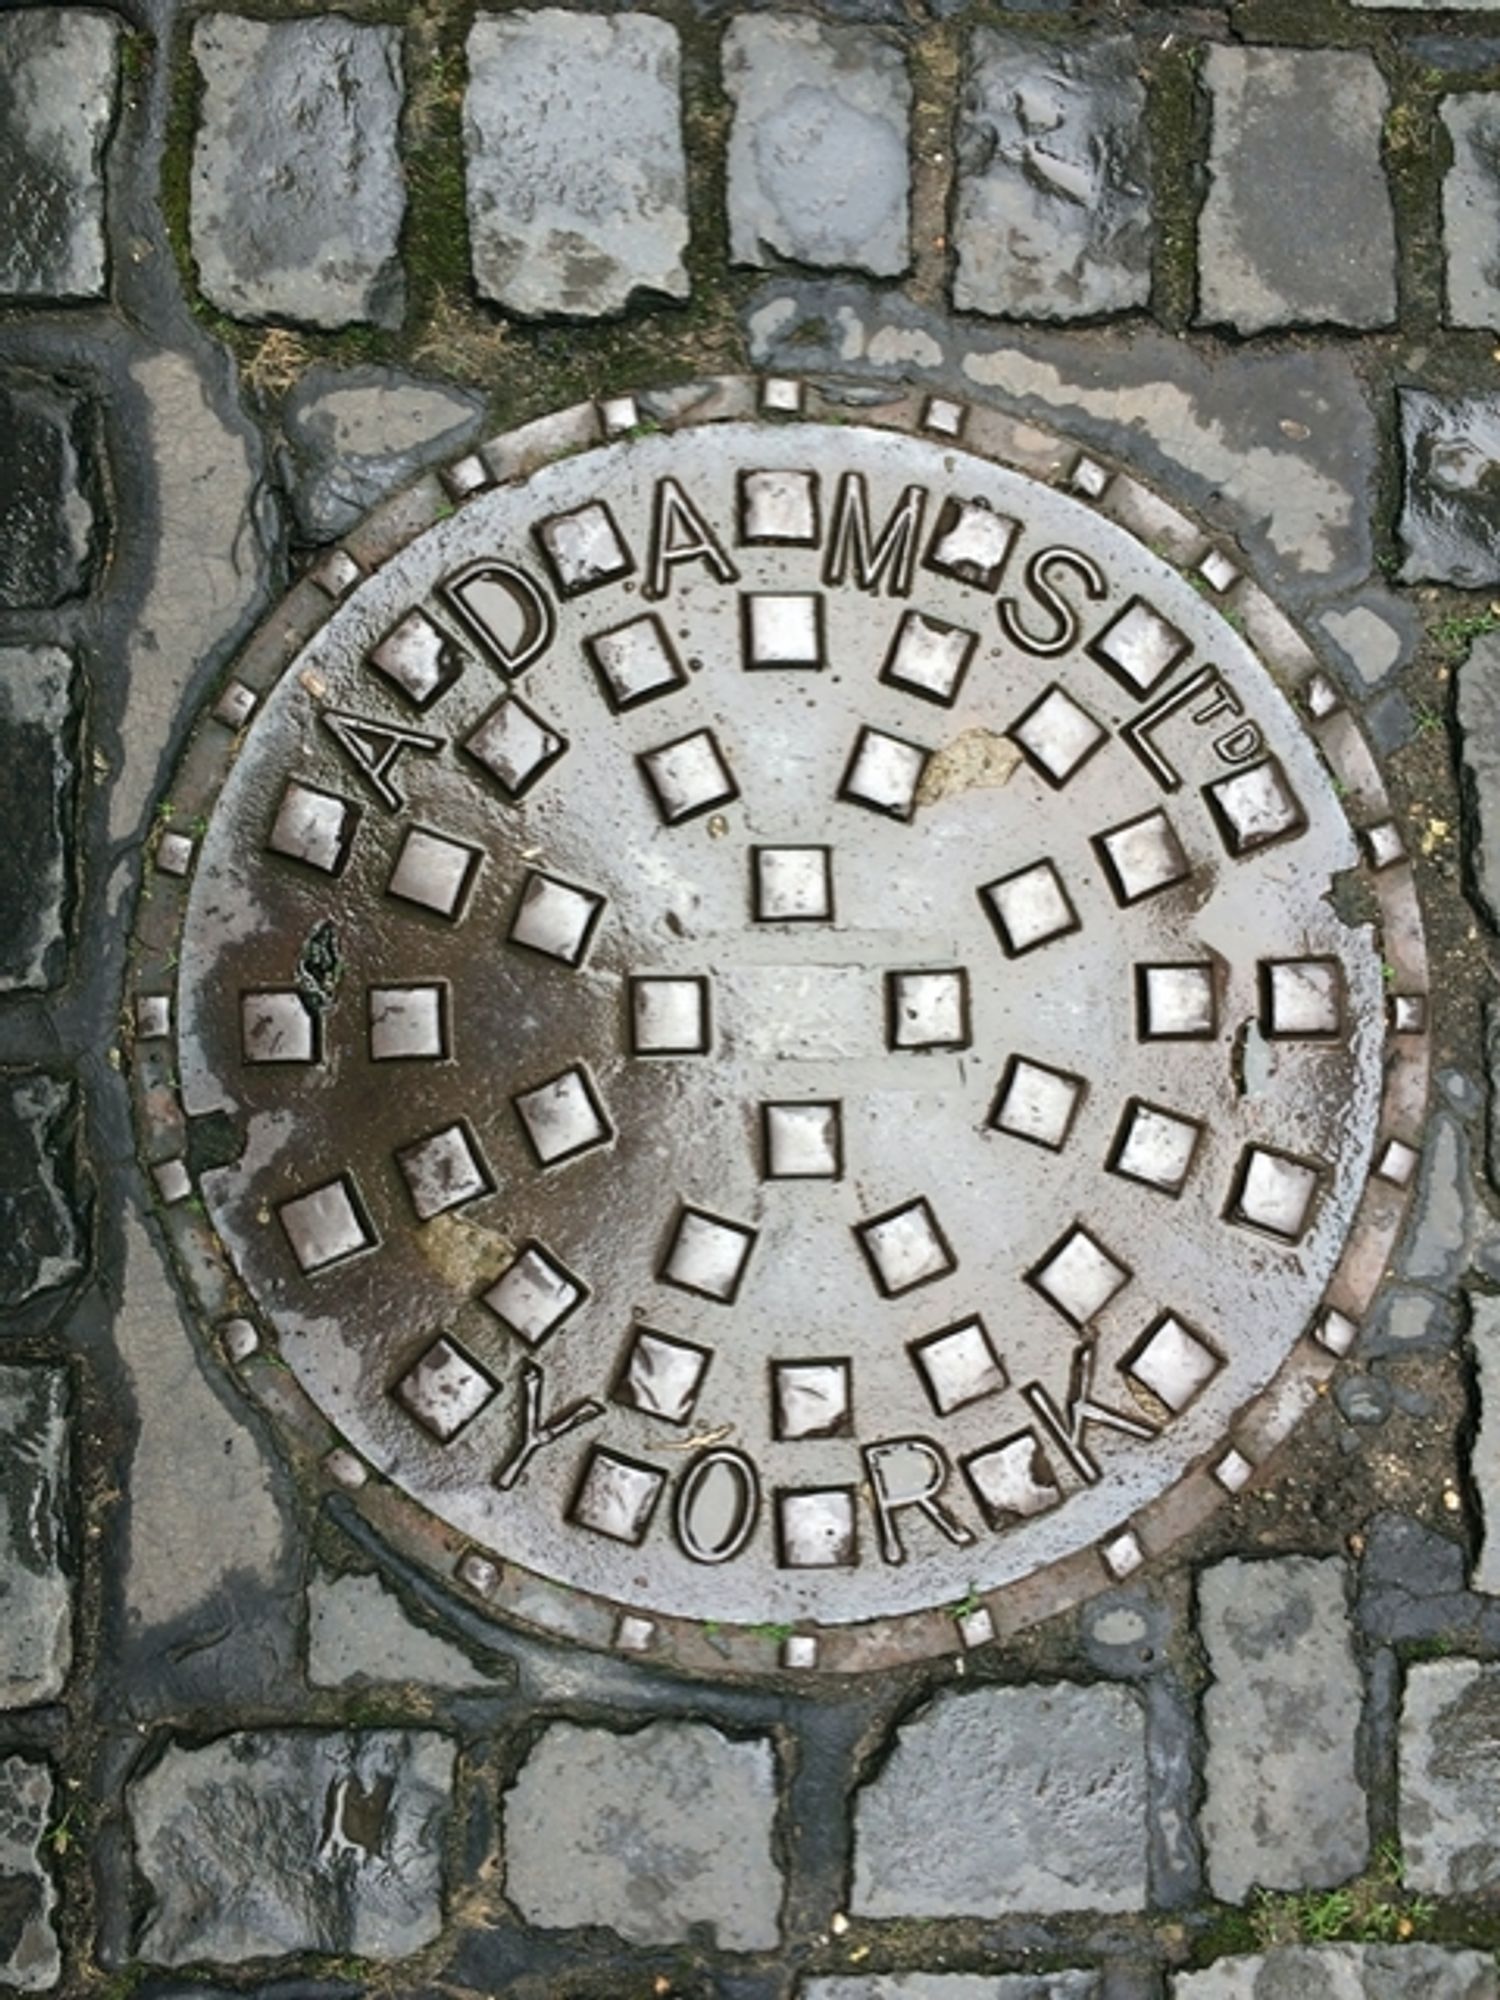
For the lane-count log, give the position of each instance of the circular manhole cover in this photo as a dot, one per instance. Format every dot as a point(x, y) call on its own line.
point(782, 1024)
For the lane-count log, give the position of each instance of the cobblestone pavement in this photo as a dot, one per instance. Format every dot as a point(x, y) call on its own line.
point(261, 270)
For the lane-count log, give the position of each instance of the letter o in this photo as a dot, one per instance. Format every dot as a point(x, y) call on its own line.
point(724, 1481)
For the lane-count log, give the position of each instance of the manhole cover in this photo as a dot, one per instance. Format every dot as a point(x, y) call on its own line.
point(782, 1023)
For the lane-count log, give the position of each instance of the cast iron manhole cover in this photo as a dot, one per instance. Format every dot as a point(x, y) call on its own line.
point(804, 1028)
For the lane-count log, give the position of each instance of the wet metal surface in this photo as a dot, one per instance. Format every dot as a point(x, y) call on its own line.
point(780, 1044)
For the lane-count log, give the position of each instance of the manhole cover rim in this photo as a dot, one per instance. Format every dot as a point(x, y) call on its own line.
point(242, 1337)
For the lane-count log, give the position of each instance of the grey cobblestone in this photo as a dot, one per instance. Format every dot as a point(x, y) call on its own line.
point(1450, 512)
point(36, 1595)
point(1297, 228)
point(42, 1240)
point(47, 525)
point(297, 193)
point(954, 1986)
point(1007, 1799)
point(1054, 200)
point(576, 175)
point(38, 788)
point(30, 1959)
point(1471, 209)
point(1479, 734)
point(58, 81)
point(1484, 1461)
point(1283, 1807)
point(1450, 1778)
point(358, 1636)
point(818, 148)
point(1345, 1972)
point(651, 1833)
point(262, 1845)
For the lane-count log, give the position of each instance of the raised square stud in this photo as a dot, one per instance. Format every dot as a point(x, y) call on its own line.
point(1274, 1192)
point(779, 507)
point(1173, 1362)
point(235, 705)
point(443, 1171)
point(278, 1027)
point(584, 548)
point(792, 885)
point(927, 1010)
point(314, 827)
point(335, 573)
point(782, 629)
point(535, 1294)
point(555, 918)
point(958, 1366)
point(1321, 697)
point(1058, 735)
point(1176, 1003)
point(1255, 807)
point(1384, 844)
point(408, 1023)
point(905, 1248)
point(434, 872)
point(802, 1142)
point(174, 853)
point(661, 1376)
point(970, 542)
point(815, 1527)
point(1301, 999)
point(1037, 1103)
point(618, 414)
point(616, 1496)
point(811, 1399)
point(1396, 1163)
point(445, 1390)
point(1029, 908)
point(1218, 572)
point(635, 662)
point(326, 1225)
point(1079, 1276)
point(942, 417)
point(1139, 647)
point(1233, 1471)
point(1089, 478)
point(1335, 1331)
point(929, 657)
point(173, 1181)
point(153, 1016)
point(707, 1255)
point(885, 774)
point(688, 777)
point(418, 659)
point(1142, 857)
point(1122, 1555)
point(1155, 1147)
point(515, 746)
point(562, 1117)
point(633, 1634)
point(1012, 1480)
point(669, 1016)
point(1409, 1013)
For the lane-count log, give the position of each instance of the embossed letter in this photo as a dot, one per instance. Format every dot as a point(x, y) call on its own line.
point(1052, 601)
point(506, 609)
point(851, 539)
point(910, 1472)
point(679, 534)
point(538, 1431)
point(1068, 1429)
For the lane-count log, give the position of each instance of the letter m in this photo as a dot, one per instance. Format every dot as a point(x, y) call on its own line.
point(852, 543)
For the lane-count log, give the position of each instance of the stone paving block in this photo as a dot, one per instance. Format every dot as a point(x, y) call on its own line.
point(818, 152)
point(46, 513)
point(268, 1843)
point(41, 1210)
point(359, 1635)
point(30, 1960)
point(1471, 209)
point(1479, 741)
point(297, 192)
point(58, 88)
point(650, 1834)
point(1283, 1806)
point(36, 1597)
point(954, 1986)
point(1297, 229)
point(1484, 1453)
point(1450, 503)
point(577, 181)
point(1449, 1777)
point(1001, 1800)
point(38, 791)
point(356, 435)
point(1345, 1972)
point(1054, 205)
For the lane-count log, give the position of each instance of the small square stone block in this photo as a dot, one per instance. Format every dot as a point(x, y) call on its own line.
point(792, 885)
point(1058, 735)
point(408, 1023)
point(928, 1010)
point(584, 548)
point(958, 1366)
point(617, 1496)
point(811, 1399)
point(174, 854)
point(1275, 1192)
point(782, 629)
point(534, 1294)
point(905, 1248)
point(434, 872)
point(929, 657)
point(326, 1225)
point(556, 918)
point(1176, 1003)
point(1037, 1103)
point(153, 1016)
point(670, 1016)
point(445, 1390)
point(563, 1117)
point(515, 746)
point(444, 1171)
point(1142, 857)
point(688, 776)
point(1079, 1276)
point(1139, 647)
point(1029, 908)
point(707, 1255)
point(173, 1181)
point(661, 1376)
point(815, 1528)
point(802, 1141)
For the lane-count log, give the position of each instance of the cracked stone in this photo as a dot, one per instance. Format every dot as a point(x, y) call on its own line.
point(1450, 502)
point(47, 529)
point(1283, 1806)
point(58, 87)
point(954, 1986)
point(36, 1600)
point(1441, 1227)
point(650, 1833)
point(1479, 738)
point(42, 1210)
point(297, 191)
point(1471, 209)
point(1345, 1971)
point(1297, 229)
point(979, 1761)
point(267, 1843)
point(577, 181)
point(1054, 195)
point(30, 1960)
point(38, 794)
point(357, 435)
point(1484, 1459)
point(818, 160)
point(359, 1635)
point(1449, 1778)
